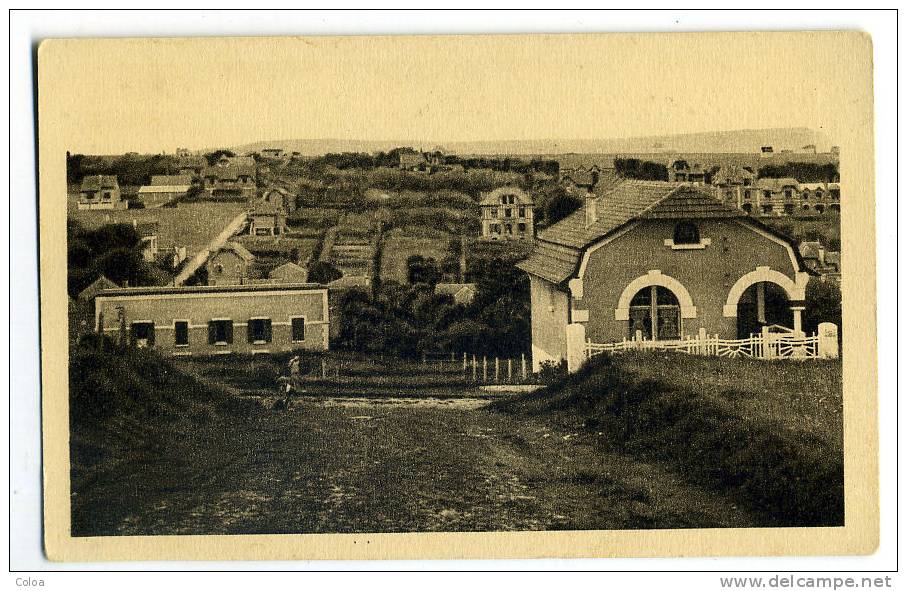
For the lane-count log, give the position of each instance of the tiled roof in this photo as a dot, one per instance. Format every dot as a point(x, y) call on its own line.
point(777, 184)
point(288, 270)
point(615, 207)
point(98, 285)
point(494, 197)
point(159, 180)
point(559, 248)
point(408, 159)
point(164, 188)
point(147, 229)
point(203, 289)
point(238, 249)
point(96, 182)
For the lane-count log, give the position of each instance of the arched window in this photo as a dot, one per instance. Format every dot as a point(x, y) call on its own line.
point(686, 232)
point(655, 310)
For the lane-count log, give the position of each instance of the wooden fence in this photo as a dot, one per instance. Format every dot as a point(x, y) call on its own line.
point(766, 345)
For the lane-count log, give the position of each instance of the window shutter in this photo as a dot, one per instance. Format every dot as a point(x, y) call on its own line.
point(250, 331)
point(212, 332)
point(151, 335)
point(267, 331)
point(230, 332)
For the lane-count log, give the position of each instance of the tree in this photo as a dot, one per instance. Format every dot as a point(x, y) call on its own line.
point(560, 205)
point(823, 304)
point(423, 270)
point(323, 272)
point(214, 156)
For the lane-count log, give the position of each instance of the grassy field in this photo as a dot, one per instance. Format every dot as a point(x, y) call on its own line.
point(191, 225)
point(194, 449)
point(770, 432)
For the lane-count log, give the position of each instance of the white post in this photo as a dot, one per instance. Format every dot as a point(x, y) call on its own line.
point(760, 302)
point(767, 351)
point(576, 346)
point(828, 340)
point(702, 342)
point(798, 319)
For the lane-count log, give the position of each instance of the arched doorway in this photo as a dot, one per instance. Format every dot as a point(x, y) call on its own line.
point(654, 311)
point(762, 304)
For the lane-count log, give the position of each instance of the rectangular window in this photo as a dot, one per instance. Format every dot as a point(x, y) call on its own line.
point(220, 332)
point(507, 212)
point(522, 212)
point(789, 208)
point(767, 194)
point(494, 212)
point(522, 228)
point(767, 209)
point(259, 330)
point(298, 329)
point(181, 333)
point(142, 334)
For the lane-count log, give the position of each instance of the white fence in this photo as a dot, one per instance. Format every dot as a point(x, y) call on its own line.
point(767, 345)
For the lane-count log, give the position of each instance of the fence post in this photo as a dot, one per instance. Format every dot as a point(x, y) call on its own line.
point(510, 371)
point(497, 369)
point(523, 364)
point(464, 361)
point(473, 368)
point(484, 369)
point(827, 348)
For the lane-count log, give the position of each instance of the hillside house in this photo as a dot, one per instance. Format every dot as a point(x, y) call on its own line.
point(507, 213)
point(268, 220)
point(164, 189)
point(279, 198)
point(206, 320)
point(190, 165)
point(414, 162)
point(232, 178)
point(97, 286)
point(148, 242)
point(580, 179)
point(289, 273)
point(272, 153)
point(654, 260)
point(229, 265)
point(680, 171)
point(776, 197)
point(100, 191)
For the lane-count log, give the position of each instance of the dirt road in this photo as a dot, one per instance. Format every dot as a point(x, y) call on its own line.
point(389, 466)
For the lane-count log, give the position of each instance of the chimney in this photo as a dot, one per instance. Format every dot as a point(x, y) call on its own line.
point(591, 208)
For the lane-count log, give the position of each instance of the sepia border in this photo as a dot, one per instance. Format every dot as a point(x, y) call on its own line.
point(60, 66)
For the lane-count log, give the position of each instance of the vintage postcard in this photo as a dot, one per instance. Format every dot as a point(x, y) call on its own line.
point(458, 296)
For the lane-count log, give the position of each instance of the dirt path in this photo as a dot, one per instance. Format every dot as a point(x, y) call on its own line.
point(365, 466)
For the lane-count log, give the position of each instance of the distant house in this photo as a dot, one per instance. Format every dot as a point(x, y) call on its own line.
point(206, 320)
point(660, 261)
point(101, 192)
point(231, 178)
point(776, 197)
point(148, 233)
point(822, 262)
point(165, 188)
point(819, 198)
point(279, 198)
point(272, 153)
point(507, 214)
point(229, 265)
point(289, 273)
point(190, 165)
point(96, 287)
point(580, 179)
point(681, 171)
point(268, 220)
point(414, 162)
point(732, 183)
point(767, 151)
point(463, 293)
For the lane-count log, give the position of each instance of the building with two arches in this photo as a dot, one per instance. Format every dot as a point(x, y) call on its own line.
point(655, 260)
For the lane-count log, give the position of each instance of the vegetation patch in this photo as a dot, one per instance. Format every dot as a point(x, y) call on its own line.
point(771, 432)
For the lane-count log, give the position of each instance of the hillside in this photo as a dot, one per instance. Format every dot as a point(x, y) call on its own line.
point(733, 141)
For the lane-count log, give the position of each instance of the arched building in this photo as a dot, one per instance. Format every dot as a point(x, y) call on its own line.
point(656, 261)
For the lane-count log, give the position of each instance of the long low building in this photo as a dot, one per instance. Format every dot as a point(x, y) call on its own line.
point(212, 320)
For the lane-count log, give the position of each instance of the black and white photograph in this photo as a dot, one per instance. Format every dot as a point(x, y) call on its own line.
point(476, 284)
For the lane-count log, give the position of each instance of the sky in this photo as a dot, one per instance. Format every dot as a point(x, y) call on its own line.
point(154, 95)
